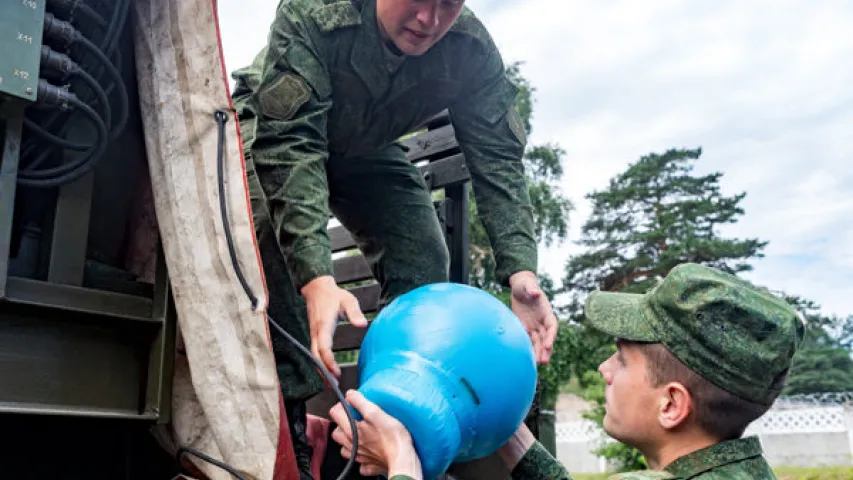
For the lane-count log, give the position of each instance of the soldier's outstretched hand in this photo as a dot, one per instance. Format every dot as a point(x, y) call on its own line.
point(326, 302)
point(532, 307)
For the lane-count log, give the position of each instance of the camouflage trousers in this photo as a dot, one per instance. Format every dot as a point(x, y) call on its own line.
point(383, 201)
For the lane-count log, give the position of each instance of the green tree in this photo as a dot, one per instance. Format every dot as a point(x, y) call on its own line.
point(652, 217)
point(823, 363)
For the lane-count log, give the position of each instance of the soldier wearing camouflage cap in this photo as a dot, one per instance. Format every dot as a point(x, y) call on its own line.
point(699, 357)
point(320, 110)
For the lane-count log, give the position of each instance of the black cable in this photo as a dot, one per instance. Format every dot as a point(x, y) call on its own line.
point(51, 95)
point(221, 120)
point(109, 43)
point(70, 7)
point(210, 460)
point(99, 92)
point(118, 20)
point(58, 29)
point(92, 14)
point(46, 150)
point(66, 31)
point(63, 66)
point(221, 117)
point(53, 177)
point(53, 139)
point(116, 76)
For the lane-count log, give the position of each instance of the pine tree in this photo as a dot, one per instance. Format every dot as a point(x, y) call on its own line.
point(823, 363)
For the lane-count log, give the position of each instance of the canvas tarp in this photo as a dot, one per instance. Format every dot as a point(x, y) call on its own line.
point(226, 397)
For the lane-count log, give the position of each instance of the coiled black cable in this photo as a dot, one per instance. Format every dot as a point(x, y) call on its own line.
point(52, 177)
point(30, 174)
point(71, 7)
point(207, 458)
point(221, 117)
point(63, 66)
point(59, 29)
point(68, 35)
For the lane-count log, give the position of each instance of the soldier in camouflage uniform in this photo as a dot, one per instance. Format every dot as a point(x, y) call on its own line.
point(699, 358)
point(320, 110)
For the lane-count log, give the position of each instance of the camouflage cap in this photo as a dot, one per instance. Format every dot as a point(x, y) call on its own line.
point(736, 335)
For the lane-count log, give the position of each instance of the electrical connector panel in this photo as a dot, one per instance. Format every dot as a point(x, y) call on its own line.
point(21, 24)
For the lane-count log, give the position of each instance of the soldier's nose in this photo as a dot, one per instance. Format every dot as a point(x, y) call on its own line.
point(428, 16)
point(606, 373)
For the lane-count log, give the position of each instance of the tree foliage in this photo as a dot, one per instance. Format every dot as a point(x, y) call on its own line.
point(823, 363)
point(655, 215)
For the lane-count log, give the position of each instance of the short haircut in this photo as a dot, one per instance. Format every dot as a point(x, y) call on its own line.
point(721, 414)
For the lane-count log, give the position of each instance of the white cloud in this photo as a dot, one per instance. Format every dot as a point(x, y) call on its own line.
point(762, 86)
point(244, 25)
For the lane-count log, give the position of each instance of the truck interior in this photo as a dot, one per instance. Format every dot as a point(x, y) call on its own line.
point(89, 328)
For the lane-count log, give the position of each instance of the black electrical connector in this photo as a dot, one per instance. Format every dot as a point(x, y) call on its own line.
point(106, 93)
point(61, 66)
point(70, 7)
point(108, 44)
point(51, 96)
point(57, 62)
point(57, 29)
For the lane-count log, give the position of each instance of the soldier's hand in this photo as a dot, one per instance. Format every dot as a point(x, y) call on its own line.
point(384, 444)
point(326, 303)
point(532, 307)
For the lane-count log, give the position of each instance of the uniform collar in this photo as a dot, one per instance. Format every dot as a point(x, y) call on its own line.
point(715, 456)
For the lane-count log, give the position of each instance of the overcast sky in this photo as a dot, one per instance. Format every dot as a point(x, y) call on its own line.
point(761, 86)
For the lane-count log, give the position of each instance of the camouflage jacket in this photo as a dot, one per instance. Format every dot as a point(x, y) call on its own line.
point(326, 84)
point(732, 460)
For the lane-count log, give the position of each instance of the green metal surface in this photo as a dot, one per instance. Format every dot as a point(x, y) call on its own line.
point(80, 336)
point(10, 133)
point(21, 23)
point(62, 363)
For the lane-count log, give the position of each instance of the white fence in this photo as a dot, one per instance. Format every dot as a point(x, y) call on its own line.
point(804, 431)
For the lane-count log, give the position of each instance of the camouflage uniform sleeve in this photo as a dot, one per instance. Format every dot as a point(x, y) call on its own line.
point(538, 464)
point(289, 150)
point(491, 135)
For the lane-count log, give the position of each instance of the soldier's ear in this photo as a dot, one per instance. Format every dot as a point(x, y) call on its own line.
point(674, 405)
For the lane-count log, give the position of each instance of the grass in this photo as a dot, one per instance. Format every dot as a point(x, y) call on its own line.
point(819, 473)
point(787, 473)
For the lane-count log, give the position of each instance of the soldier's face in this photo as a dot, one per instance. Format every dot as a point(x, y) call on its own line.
point(416, 25)
point(630, 400)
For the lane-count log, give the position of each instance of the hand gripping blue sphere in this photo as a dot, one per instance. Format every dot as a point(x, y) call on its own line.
point(455, 366)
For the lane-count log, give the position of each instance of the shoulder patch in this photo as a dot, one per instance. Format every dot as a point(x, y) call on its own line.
point(643, 475)
point(335, 15)
point(468, 24)
point(283, 96)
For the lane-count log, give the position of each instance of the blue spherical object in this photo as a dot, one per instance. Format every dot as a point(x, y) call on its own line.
point(455, 366)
